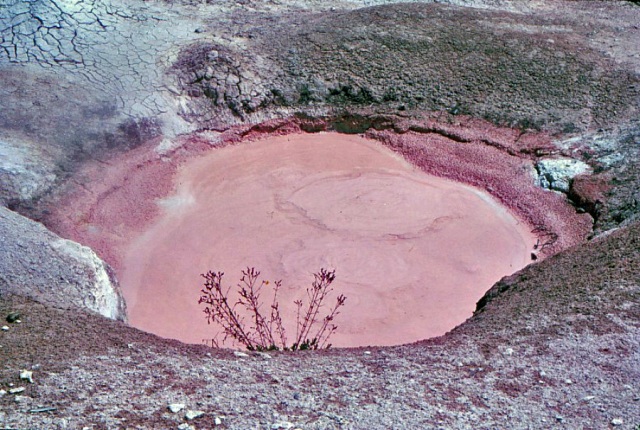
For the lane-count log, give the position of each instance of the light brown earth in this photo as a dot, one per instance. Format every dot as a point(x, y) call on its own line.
point(413, 253)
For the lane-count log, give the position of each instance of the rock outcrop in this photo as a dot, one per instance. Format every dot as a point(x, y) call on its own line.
point(38, 264)
point(557, 173)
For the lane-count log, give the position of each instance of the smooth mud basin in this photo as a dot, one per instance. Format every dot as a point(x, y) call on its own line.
point(413, 253)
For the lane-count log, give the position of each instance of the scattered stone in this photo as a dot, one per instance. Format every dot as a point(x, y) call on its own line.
point(192, 415)
point(568, 381)
point(217, 421)
point(508, 351)
point(13, 317)
point(176, 407)
point(367, 353)
point(185, 426)
point(263, 355)
point(19, 399)
point(26, 375)
point(5, 328)
point(240, 354)
point(3, 392)
point(282, 425)
point(16, 390)
point(617, 422)
point(588, 398)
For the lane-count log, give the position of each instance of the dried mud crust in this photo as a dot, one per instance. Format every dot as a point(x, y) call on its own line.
point(555, 345)
point(533, 71)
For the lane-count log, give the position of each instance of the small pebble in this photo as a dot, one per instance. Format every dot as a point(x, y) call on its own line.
point(176, 407)
point(5, 328)
point(367, 353)
point(217, 421)
point(3, 392)
point(185, 426)
point(587, 398)
point(16, 390)
point(13, 317)
point(192, 415)
point(617, 422)
point(26, 375)
point(284, 425)
point(240, 354)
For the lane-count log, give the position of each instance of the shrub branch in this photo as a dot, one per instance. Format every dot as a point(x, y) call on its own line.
point(268, 333)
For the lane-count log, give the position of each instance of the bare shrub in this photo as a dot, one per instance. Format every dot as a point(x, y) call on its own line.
point(267, 332)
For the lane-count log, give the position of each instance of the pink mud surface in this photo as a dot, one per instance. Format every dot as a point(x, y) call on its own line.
point(412, 252)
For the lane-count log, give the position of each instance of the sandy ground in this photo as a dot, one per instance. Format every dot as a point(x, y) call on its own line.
point(413, 253)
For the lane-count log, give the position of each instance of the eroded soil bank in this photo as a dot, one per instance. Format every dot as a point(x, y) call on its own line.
point(128, 211)
point(413, 253)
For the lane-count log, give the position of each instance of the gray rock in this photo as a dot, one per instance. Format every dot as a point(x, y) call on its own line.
point(617, 422)
point(38, 264)
point(556, 173)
